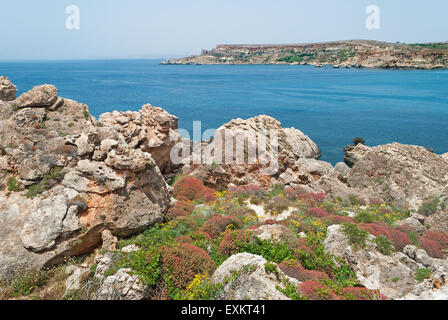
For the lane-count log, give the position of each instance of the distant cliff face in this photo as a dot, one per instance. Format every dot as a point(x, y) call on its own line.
point(356, 53)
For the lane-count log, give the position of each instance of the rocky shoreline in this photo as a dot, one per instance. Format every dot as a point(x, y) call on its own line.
point(340, 54)
point(372, 227)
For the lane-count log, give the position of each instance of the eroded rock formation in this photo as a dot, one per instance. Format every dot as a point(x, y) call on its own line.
point(66, 177)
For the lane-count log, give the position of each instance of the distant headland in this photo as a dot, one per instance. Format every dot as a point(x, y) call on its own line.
point(347, 54)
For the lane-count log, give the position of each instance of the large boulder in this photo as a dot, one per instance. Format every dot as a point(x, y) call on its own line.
point(41, 96)
point(122, 286)
point(249, 151)
point(7, 89)
point(404, 175)
point(152, 130)
point(65, 178)
point(244, 277)
point(353, 153)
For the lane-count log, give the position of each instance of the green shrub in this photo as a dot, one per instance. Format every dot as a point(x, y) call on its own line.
point(423, 274)
point(27, 282)
point(49, 180)
point(353, 200)
point(364, 217)
point(271, 268)
point(276, 190)
point(86, 113)
point(384, 245)
point(13, 185)
point(357, 236)
point(270, 250)
point(429, 207)
point(147, 266)
point(290, 291)
point(201, 288)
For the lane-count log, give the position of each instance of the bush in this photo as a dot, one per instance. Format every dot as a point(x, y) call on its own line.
point(179, 209)
point(277, 205)
point(216, 224)
point(315, 291)
point(27, 282)
point(364, 217)
point(357, 236)
point(384, 245)
point(358, 140)
point(201, 288)
point(230, 243)
point(429, 206)
point(337, 219)
point(182, 263)
point(398, 238)
point(193, 189)
point(423, 274)
point(13, 185)
point(431, 247)
point(295, 270)
point(437, 236)
point(362, 294)
point(317, 212)
point(273, 251)
point(312, 256)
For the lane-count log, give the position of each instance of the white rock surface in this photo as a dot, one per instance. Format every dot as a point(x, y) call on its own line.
point(244, 277)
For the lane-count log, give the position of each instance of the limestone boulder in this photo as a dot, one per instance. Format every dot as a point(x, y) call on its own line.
point(7, 89)
point(244, 278)
point(76, 180)
point(121, 286)
point(40, 96)
point(404, 175)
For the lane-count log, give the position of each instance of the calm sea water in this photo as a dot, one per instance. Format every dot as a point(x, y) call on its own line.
point(332, 106)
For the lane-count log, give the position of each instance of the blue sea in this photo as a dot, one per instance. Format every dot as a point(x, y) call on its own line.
point(332, 106)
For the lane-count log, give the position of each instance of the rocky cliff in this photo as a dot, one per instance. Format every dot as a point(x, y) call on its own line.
point(350, 54)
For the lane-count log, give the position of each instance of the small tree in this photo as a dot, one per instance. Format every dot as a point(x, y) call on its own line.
point(359, 140)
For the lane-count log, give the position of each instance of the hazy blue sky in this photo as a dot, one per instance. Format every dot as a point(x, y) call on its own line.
point(148, 28)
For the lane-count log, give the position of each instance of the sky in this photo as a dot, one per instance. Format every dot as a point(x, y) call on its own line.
point(36, 30)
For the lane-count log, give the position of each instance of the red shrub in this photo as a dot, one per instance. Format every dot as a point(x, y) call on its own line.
point(336, 219)
point(431, 247)
point(437, 236)
point(216, 224)
point(180, 209)
point(185, 261)
point(269, 221)
point(295, 270)
point(229, 243)
point(303, 246)
point(183, 239)
point(405, 228)
point(187, 221)
point(254, 190)
point(193, 189)
point(315, 291)
point(200, 235)
point(363, 294)
point(207, 194)
point(317, 212)
point(319, 197)
point(397, 237)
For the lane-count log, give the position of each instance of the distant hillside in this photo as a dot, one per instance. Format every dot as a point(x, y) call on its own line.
point(350, 54)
